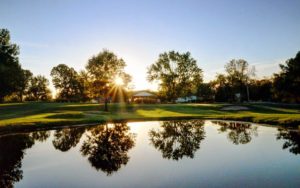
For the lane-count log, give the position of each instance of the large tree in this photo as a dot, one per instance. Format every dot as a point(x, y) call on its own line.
point(287, 82)
point(236, 80)
point(177, 73)
point(38, 89)
point(104, 70)
point(239, 74)
point(10, 69)
point(66, 80)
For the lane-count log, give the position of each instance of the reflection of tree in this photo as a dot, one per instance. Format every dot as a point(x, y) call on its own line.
point(291, 138)
point(178, 138)
point(238, 132)
point(40, 136)
point(11, 155)
point(67, 138)
point(107, 147)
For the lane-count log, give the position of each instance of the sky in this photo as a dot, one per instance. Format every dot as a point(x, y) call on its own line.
point(263, 32)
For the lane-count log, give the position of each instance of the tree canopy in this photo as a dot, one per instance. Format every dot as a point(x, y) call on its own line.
point(38, 89)
point(235, 81)
point(103, 69)
point(66, 80)
point(177, 73)
point(10, 69)
point(287, 82)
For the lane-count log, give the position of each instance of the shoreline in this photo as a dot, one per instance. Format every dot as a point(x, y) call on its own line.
point(37, 116)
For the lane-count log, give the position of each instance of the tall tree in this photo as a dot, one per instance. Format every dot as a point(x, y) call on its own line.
point(66, 80)
point(235, 81)
point(287, 82)
point(178, 74)
point(24, 83)
point(10, 69)
point(38, 89)
point(103, 70)
point(239, 74)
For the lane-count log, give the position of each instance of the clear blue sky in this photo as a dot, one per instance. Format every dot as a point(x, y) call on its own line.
point(264, 32)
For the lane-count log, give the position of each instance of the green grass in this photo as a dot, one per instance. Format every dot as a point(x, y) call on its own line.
point(24, 115)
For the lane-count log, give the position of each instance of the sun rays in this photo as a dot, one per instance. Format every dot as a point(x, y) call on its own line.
point(119, 81)
point(118, 91)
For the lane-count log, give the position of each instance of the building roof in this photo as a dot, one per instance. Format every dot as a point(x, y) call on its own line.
point(143, 94)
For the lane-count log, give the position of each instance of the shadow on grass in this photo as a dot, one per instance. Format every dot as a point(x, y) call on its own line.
point(66, 116)
point(271, 109)
point(25, 109)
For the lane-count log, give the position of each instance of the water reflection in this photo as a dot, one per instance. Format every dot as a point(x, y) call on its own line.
point(178, 139)
point(107, 147)
point(238, 132)
point(291, 138)
point(40, 136)
point(12, 150)
point(67, 138)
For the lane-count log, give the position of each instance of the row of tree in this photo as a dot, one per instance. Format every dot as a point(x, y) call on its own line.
point(177, 74)
point(239, 83)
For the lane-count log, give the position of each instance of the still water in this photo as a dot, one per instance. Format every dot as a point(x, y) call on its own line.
point(186, 153)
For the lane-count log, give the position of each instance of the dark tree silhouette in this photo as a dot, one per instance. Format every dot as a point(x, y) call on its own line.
point(12, 150)
point(38, 89)
point(286, 83)
point(291, 138)
point(238, 132)
point(40, 136)
point(107, 147)
point(178, 139)
point(66, 81)
point(67, 138)
point(10, 68)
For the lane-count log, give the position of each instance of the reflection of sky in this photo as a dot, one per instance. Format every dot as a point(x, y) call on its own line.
point(215, 31)
point(217, 163)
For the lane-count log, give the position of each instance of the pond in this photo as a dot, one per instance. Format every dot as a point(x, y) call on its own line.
point(185, 153)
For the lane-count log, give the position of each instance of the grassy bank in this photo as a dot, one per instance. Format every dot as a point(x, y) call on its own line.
point(21, 115)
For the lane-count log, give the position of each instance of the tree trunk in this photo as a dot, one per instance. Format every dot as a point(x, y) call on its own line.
point(248, 97)
point(106, 104)
point(21, 96)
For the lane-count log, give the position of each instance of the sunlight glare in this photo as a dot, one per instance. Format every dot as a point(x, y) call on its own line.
point(119, 81)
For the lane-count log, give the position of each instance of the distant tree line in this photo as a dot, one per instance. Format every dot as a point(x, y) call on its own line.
point(239, 80)
point(177, 75)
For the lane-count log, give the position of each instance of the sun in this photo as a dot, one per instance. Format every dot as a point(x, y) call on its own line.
point(119, 81)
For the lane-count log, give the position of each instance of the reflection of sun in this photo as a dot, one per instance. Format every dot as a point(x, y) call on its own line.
point(119, 81)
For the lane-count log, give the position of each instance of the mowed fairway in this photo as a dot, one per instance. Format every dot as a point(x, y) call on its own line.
point(37, 114)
